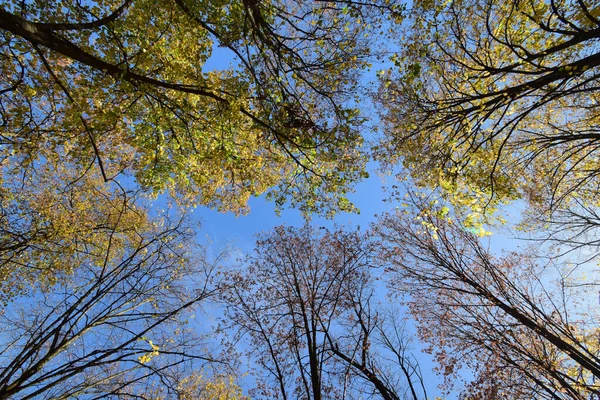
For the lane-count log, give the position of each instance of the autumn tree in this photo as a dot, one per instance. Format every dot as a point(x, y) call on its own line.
point(120, 92)
point(489, 102)
point(48, 231)
point(114, 326)
point(492, 101)
point(304, 306)
point(525, 324)
point(123, 86)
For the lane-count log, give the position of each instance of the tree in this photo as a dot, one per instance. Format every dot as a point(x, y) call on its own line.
point(493, 101)
point(47, 231)
point(124, 85)
point(118, 91)
point(525, 323)
point(113, 326)
point(489, 102)
point(305, 305)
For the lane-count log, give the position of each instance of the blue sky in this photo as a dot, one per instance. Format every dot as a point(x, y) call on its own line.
point(227, 228)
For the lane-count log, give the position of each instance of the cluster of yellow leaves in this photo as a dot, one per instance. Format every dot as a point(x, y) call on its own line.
point(47, 231)
point(220, 387)
point(143, 359)
point(198, 386)
point(582, 379)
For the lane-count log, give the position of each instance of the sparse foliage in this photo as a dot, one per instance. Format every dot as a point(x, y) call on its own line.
point(525, 323)
point(114, 326)
point(305, 305)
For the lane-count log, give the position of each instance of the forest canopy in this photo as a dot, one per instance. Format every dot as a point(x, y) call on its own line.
point(122, 85)
point(118, 117)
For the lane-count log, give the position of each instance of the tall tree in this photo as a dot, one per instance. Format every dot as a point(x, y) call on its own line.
point(114, 326)
point(525, 324)
point(305, 304)
point(104, 103)
point(493, 101)
point(489, 102)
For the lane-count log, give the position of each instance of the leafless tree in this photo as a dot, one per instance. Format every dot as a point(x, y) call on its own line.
point(304, 304)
